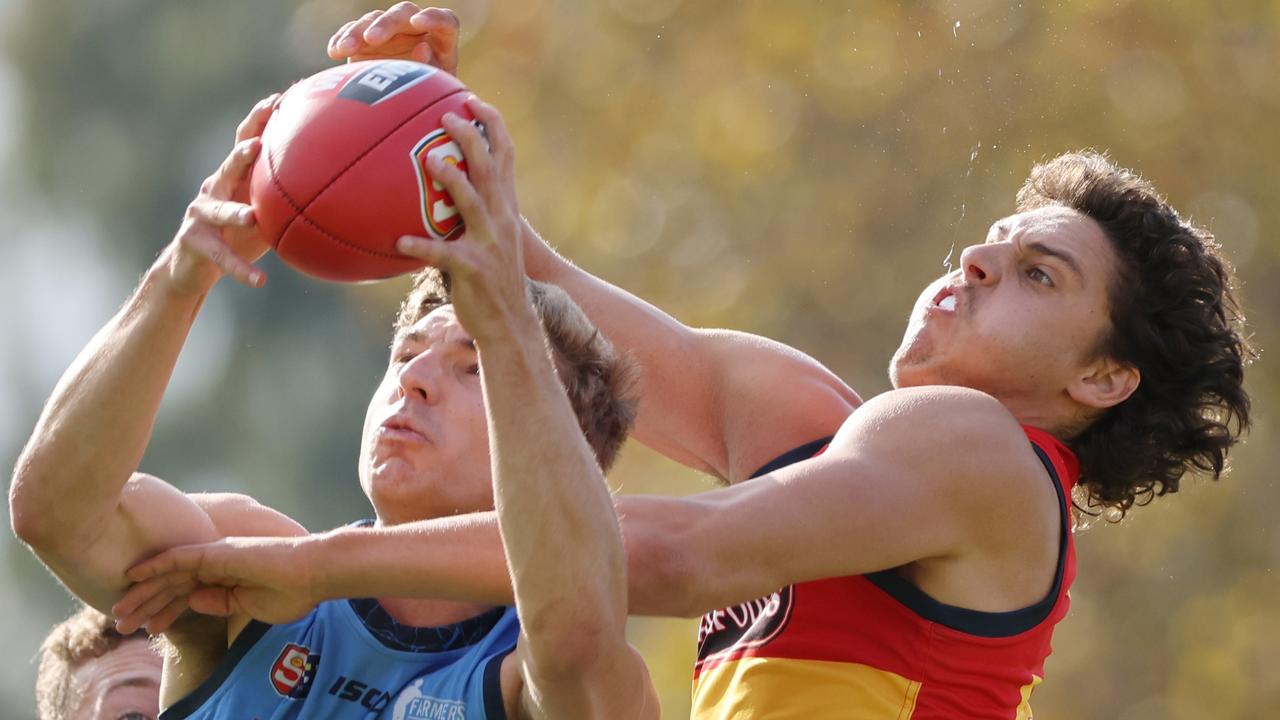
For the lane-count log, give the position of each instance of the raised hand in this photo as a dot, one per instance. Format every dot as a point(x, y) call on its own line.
point(268, 579)
point(487, 264)
point(219, 234)
point(404, 31)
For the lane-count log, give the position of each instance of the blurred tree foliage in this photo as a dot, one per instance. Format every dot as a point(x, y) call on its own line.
point(795, 169)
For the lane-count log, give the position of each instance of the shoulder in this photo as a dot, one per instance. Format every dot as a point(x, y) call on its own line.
point(936, 416)
point(237, 514)
point(957, 440)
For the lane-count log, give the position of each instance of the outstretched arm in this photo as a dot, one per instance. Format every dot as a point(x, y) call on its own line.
point(721, 401)
point(942, 462)
point(76, 497)
point(556, 519)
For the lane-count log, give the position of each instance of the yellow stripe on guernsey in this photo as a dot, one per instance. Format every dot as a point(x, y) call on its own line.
point(801, 690)
point(1024, 707)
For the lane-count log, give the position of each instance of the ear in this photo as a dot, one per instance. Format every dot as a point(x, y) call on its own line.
point(1104, 384)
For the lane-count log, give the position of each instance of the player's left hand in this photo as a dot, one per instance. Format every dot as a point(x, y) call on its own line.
point(404, 31)
point(268, 579)
point(486, 265)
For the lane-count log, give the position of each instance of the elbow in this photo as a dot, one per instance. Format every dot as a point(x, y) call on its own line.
point(23, 523)
point(24, 513)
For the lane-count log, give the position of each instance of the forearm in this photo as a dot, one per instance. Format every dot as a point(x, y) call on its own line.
point(666, 350)
point(720, 401)
point(461, 558)
point(95, 427)
point(558, 526)
point(456, 558)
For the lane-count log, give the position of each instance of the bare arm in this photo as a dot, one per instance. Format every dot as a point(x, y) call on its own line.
point(558, 528)
point(914, 476)
point(76, 496)
point(561, 539)
point(721, 401)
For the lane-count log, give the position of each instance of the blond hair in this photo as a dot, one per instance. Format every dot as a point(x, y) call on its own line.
point(86, 635)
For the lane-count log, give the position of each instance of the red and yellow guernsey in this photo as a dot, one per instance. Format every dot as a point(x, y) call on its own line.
point(875, 647)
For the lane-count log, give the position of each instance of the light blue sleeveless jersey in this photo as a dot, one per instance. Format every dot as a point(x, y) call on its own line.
point(349, 660)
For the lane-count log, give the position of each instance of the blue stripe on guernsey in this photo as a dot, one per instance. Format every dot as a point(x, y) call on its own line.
point(347, 660)
point(791, 457)
point(976, 622)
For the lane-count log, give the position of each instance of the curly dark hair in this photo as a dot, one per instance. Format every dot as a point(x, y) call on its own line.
point(1174, 317)
point(601, 384)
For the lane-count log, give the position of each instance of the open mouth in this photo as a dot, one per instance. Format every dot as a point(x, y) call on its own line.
point(945, 300)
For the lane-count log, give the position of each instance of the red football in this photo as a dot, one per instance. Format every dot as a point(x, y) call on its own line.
point(342, 170)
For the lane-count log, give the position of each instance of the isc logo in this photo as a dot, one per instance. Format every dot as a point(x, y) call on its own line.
point(440, 217)
point(293, 671)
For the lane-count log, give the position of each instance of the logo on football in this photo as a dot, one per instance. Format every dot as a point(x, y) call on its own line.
point(293, 671)
point(385, 80)
point(440, 217)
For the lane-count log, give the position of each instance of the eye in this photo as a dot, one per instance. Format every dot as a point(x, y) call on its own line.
point(1040, 276)
point(133, 716)
point(473, 369)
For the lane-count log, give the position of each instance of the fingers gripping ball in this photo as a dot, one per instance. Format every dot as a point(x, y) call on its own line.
point(343, 168)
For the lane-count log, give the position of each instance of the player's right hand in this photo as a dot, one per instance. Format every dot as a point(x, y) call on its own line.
point(403, 31)
point(268, 579)
point(219, 234)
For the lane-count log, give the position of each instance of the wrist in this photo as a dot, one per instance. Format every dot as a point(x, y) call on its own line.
point(514, 326)
point(541, 262)
point(180, 275)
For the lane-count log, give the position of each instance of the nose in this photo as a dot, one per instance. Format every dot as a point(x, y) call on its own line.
point(420, 377)
point(982, 263)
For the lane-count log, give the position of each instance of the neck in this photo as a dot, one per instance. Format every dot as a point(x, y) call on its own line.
point(1061, 417)
point(422, 612)
point(430, 613)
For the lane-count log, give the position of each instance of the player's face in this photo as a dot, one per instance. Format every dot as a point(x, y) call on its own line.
point(425, 450)
point(1021, 317)
point(123, 684)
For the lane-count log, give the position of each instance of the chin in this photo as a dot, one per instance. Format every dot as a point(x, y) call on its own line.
point(395, 506)
point(901, 377)
point(904, 372)
point(904, 369)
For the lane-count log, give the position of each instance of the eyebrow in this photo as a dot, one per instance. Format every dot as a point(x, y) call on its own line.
point(416, 336)
point(1038, 246)
point(142, 681)
point(1067, 258)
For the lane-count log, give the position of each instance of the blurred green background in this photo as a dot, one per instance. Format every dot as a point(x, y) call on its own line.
point(796, 169)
